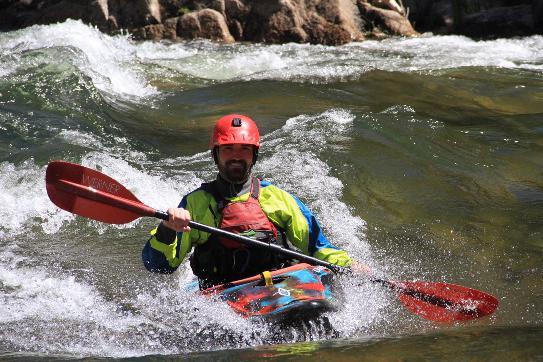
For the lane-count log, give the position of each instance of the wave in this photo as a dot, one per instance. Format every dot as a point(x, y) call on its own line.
point(135, 71)
point(141, 315)
point(110, 62)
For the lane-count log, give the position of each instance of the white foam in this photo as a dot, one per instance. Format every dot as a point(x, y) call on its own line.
point(110, 61)
point(154, 189)
point(429, 53)
point(105, 143)
point(48, 305)
point(24, 200)
point(153, 51)
point(37, 295)
point(75, 137)
point(124, 68)
point(317, 63)
point(302, 141)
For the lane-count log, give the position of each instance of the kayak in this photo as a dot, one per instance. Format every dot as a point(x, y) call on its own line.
point(299, 291)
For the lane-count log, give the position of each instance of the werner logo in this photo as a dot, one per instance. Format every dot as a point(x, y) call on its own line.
point(100, 184)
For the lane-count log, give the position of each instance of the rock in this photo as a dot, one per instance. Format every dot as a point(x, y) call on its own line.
point(498, 22)
point(149, 32)
point(195, 5)
point(170, 28)
point(436, 16)
point(388, 21)
point(235, 9)
point(20, 14)
point(342, 15)
point(235, 29)
point(206, 23)
point(388, 4)
point(320, 31)
point(111, 24)
point(135, 13)
point(329, 22)
point(537, 11)
point(275, 21)
point(480, 19)
point(235, 12)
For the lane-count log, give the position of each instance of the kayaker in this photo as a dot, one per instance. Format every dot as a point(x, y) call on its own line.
point(238, 202)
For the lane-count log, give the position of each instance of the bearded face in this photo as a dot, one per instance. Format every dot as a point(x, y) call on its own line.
point(235, 162)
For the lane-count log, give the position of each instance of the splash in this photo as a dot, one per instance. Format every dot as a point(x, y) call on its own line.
point(24, 201)
point(49, 308)
point(149, 185)
point(307, 142)
point(150, 314)
point(304, 141)
point(111, 62)
point(323, 64)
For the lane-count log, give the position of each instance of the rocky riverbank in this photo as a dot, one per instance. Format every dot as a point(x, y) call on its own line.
point(486, 19)
point(329, 22)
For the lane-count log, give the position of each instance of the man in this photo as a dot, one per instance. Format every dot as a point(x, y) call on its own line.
point(238, 202)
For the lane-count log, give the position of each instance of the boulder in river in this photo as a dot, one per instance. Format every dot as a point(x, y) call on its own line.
point(205, 23)
point(504, 21)
point(330, 22)
point(477, 19)
point(385, 20)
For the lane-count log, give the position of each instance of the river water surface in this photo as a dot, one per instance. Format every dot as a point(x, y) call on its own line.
point(422, 157)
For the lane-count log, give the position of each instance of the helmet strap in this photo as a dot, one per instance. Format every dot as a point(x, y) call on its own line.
point(215, 154)
point(255, 155)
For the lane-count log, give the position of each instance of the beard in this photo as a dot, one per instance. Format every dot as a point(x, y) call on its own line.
point(235, 171)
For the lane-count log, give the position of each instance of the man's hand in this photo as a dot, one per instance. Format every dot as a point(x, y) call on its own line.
point(360, 268)
point(178, 220)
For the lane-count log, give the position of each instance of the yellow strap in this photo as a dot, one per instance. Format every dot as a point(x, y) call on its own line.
point(267, 278)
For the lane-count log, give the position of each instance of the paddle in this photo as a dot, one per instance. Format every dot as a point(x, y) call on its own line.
point(89, 193)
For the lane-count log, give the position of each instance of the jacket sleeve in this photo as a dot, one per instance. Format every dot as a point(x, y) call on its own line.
point(302, 228)
point(164, 251)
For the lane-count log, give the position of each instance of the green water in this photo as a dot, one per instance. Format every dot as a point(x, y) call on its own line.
point(422, 157)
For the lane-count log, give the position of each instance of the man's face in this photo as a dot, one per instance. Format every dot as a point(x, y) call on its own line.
point(235, 161)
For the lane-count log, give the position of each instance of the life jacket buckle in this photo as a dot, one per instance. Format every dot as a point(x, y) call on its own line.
point(266, 275)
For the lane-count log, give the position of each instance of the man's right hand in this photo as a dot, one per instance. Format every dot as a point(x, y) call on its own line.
point(178, 220)
point(360, 268)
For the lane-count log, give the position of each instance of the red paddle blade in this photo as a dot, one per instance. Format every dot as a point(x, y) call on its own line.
point(89, 193)
point(444, 302)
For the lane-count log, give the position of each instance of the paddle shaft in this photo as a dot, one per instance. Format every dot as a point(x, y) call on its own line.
point(144, 210)
point(432, 299)
point(261, 244)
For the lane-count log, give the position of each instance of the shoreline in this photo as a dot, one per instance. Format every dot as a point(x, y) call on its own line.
point(326, 22)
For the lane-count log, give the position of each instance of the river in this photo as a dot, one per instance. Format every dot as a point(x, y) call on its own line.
point(422, 157)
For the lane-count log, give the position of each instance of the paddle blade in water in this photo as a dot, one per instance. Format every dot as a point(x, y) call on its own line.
point(444, 302)
point(92, 194)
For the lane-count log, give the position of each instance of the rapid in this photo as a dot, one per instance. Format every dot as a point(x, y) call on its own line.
point(422, 157)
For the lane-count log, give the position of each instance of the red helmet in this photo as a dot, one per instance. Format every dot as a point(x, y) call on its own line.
point(235, 129)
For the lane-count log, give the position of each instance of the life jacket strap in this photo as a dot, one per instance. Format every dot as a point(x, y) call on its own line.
point(255, 188)
point(211, 188)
